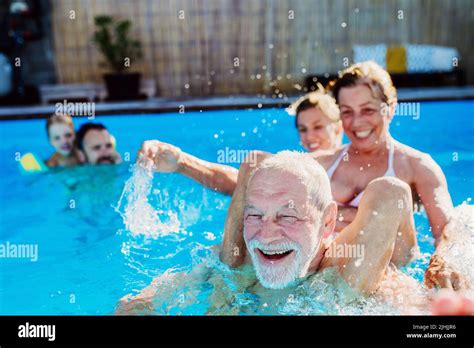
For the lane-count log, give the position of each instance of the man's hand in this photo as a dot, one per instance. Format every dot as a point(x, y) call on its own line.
point(440, 274)
point(345, 215)
point(161, 157)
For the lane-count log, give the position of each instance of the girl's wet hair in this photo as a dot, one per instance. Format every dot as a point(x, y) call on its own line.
point(319, 99)
point(59, 118)
point(370, 74)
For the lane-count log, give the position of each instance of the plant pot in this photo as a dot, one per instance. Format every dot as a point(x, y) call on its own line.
point(123, 86)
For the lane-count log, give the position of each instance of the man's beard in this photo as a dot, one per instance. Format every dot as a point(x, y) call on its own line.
point(278, 275)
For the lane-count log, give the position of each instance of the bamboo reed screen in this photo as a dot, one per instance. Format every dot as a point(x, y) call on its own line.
point(251, 46)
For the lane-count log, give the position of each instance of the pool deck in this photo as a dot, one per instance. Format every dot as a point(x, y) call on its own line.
point(159, 105)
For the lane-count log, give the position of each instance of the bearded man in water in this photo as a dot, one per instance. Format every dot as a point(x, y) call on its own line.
point(289, 215)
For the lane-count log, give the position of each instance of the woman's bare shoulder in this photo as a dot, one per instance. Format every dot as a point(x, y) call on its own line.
point(416, 159)
point(326, 157)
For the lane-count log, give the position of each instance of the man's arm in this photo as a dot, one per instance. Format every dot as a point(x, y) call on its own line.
point(167, 158)
point(162, 287)
point(143, 301)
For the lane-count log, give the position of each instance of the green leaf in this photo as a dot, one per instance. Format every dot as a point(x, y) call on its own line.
point(112, 38)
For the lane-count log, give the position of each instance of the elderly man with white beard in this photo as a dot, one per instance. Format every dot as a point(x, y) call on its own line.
point(289, 220)
point(289, 212)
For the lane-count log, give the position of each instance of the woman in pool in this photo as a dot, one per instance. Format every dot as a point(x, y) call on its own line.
point(61, 135)
point(319, 128)
point(367, 100)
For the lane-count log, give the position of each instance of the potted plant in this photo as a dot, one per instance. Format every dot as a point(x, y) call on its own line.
point(119, 50)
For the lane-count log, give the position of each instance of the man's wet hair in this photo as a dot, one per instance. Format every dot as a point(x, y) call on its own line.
point(306, 169)
point(86, 127)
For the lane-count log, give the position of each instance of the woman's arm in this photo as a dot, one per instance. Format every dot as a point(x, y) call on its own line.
point(167, 158)
point(432, 188)
point(217, 177)
point(450, 264)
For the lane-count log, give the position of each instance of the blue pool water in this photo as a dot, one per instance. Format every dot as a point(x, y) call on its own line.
point(87, 259)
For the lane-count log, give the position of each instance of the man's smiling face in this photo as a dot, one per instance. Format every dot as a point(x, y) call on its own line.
point(281, 227)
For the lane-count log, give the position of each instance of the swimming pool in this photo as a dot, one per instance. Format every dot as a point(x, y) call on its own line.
point(87, 259)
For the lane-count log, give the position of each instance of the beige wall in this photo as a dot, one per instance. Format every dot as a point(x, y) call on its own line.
point(200, 49)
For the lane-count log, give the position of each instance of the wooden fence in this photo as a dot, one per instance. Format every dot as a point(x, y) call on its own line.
point(220, 47)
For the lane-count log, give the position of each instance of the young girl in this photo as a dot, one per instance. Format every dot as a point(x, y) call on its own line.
point(61, 135)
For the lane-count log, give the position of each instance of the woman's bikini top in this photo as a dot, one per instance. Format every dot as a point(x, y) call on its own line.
point(390, 172)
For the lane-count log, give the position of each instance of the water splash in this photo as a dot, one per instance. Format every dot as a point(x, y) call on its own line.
point(461, 229)
point(139, 216)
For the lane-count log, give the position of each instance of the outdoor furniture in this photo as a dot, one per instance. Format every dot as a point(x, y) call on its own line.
point(90, 92)
point(409, 65)
point(83, 91)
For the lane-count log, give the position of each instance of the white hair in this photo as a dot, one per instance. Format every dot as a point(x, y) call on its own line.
point(304, 167)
